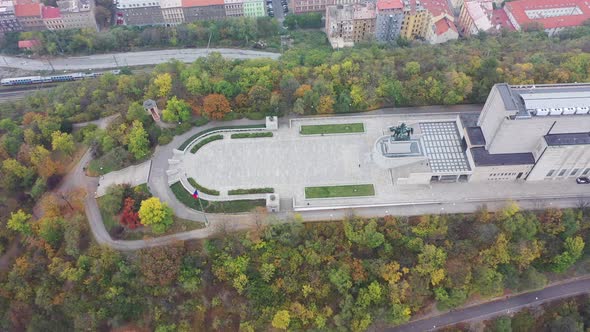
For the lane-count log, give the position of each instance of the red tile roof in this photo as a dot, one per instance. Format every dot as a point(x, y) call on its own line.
point(500, 18)
point(199, 3)
point(444, 25)
point(437, 7)
point(519, 8)
point(31, 9)
point(389, 4)
point(30, 43)
point(51, 12)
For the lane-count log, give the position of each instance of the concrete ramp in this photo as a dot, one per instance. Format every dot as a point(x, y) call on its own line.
point(132, 175)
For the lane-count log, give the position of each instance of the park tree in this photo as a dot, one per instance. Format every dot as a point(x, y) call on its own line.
point(258, 98)
point(155, 214)
point(129, 217)
point(15, 174)
point(163, 83)
point(139, 145)
point(62, 142)
point(161, 265)
point(281, 320)
point(20, 222)
point(136, 112)
point(326, 105)
point(573, 248)
point(176, 110)
point(431, 262)
point(41, 159)
point(215, 106)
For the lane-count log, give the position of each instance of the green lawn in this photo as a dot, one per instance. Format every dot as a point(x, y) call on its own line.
point(332, 129)
point(187, 199)
point(207, 140)
point(252, 135)
point(340, 191)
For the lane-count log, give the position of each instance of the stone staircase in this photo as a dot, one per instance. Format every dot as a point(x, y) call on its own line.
point(175, 169)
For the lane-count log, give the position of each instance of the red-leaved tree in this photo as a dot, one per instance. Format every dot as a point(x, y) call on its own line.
point(129, 217)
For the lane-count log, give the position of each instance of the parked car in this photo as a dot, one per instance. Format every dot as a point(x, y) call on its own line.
point(583, 180)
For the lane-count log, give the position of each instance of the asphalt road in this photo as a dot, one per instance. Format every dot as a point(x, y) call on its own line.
point(114, 60)
point(499, 307)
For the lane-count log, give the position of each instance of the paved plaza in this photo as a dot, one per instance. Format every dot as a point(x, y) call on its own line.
point(289, 162)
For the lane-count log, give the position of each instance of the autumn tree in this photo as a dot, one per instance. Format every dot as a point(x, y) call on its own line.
point(41, 159)
point(326, 105)
point(155, 214)
point(163, 83)
point(19, 222)
point(15, 174)
point(259, 98)
point(62, 142)
point(129, 218)
point(216, 106)
point(160, 265)
point(139, 145)
point(281, 320)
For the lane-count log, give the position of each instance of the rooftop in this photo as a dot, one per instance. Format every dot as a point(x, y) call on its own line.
point(437, 7)
point(31, 9)
point(443, 147)
point(389, 4)
point(201, 3)
point(51, 12)
point(501, 19)
point(30, 43)
point(444, 25)
point(567, 139)
point(481, 12)
point(481, 157)
point(550, 13)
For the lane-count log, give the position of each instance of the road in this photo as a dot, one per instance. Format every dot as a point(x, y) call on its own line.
point(500, 307)
point(114, 60)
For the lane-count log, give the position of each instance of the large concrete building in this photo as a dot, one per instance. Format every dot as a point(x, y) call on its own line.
point(524, 133)
point(534, 133)
point(172, 12)
point(417, 20)
point(30, 16)
point(77, 14)
point(476, 16)
point(140, 12)
point(306, 6)
point(254, 8)
point(552, 15)
point(195, 10)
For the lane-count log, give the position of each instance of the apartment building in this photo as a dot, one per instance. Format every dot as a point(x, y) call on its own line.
point(29, 15)
point(140, 12)
point(77, 14)
point(172, 12)
point(349, 24)
point(195, 10)
point(254, 8)
point(476, 16)
point(234, 8)
point(8, 19)
point(306, 6)
point(390, 15)
point(416, 22)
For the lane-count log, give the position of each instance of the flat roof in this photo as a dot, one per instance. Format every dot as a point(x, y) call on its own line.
point(481, 157)
point(442, 146)
point(567, 139)
point(476, 136)
point(561, 99)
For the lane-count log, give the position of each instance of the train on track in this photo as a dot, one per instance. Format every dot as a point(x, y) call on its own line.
point(31, 80)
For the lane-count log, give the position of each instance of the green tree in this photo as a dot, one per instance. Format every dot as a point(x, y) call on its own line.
point(62, 142)
point(176, 110)
point(430, 263)
point(155, 214)
point(19, 221)
point(136, 112)
point(281, 320)
point(139, 145)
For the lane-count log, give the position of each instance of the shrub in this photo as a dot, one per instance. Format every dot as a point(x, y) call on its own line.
point(202, 143)
point(252, 135)
point(203, 189)
point(251, 191)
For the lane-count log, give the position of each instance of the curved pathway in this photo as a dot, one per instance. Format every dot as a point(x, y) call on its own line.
point(128, 59)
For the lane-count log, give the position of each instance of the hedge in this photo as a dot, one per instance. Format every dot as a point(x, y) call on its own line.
point(203, 189)
point(201, 143)
point(244, 205)
point(193, 137)
point(251, 191)
point(252, 135)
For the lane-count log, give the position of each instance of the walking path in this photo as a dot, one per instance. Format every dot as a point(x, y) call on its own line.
point(506, 306)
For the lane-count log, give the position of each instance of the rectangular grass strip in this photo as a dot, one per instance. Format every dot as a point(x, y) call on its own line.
point(342, 128)
point(251, 191)
point(340, 191)
point(243, 205)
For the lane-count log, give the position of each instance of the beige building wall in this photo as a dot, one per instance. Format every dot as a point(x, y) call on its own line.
point(562, 162)
point(500, 173)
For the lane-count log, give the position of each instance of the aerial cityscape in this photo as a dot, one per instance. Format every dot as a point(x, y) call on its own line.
point(294, 165)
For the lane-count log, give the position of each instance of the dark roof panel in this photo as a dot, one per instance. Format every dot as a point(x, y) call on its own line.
point(481, 157)
point(567, 139)
point(507, 97)
point(476, 136)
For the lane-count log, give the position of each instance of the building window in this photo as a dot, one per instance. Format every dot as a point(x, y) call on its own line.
point(574, 171)
point(550, 173)
point(586, 171)
point(562, 172)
